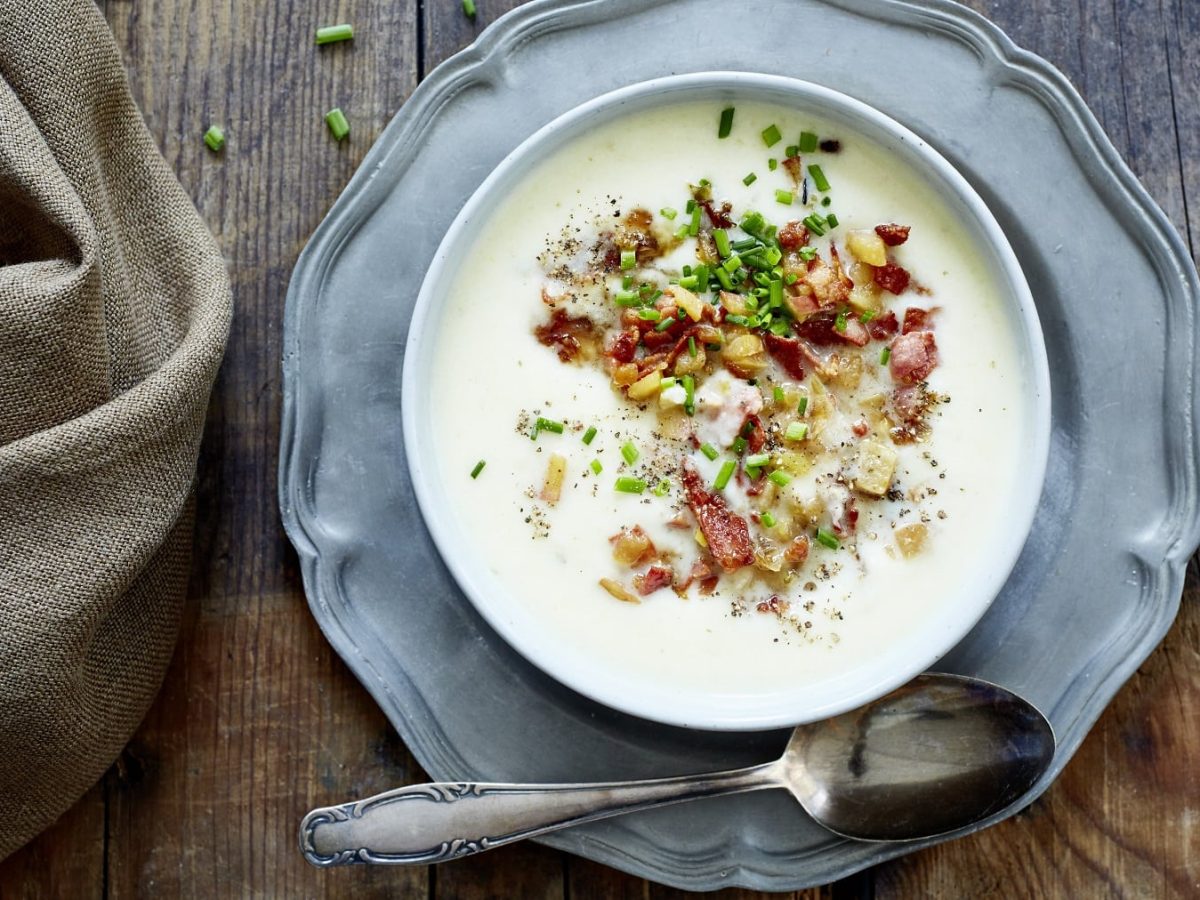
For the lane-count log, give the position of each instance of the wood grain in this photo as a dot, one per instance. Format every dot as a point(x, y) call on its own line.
point(259, 720)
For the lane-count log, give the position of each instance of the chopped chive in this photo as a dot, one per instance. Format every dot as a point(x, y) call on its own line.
point(478, 468)
point(691, 282)
point(768, 519)
point(626, 282)
point(665, 324)
point(807, 253)
point(791, 278)
point(775, 292)
point(737, 320)
point(709, 450)
point(779, 327)
point(214, 138)
point(692, 346)
point(596, 467)
point(792, 150)
point(796, 431)
point(832, 220)
point(649, 315)
point(803, 407)
point(826, 201)
point(758, 459)
point(808, 142)
point(753, 223)
point(745, 244)
point(667, 383)
point(828, 539)
point(668, 212)
point(726, 125)
point(694, 225)
point(818, 177)
point(739, 445)
point(701, 274)
point(690, 208)
point(630, 452)
point(749, 179)
point(724, 279)
point(754, 472)
point(628, 298)
point(784, 197)
point(884, 355)
point(550, 425)
point(725, 474)
point(469, 8)
point(628, 259)
point(778, 394)
point(772, 164)
point(780, 477)
point(627, 484)
point(866, 315)
point(839, 324)
point(731, 265)
point(689, 387)
point(662, 488)
point(771, 135)
point(682, 231)
point(721, 239)
point(590, 434)
point(338, 126)
point(332, 33)
point(816, 225)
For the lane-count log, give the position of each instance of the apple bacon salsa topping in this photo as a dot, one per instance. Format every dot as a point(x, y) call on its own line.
point(785, 363)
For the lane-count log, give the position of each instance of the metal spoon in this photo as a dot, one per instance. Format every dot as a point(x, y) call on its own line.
point(939, 754)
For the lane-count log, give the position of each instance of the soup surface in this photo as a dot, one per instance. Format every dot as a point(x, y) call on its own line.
point(748, 408)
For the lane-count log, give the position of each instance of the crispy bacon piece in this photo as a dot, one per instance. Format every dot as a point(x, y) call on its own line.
point(634, 233)
point(793, 235)
point(893, 235)
point(719, 217)
point(828, 283)
point(797, 551)
point(773, 604)
point(917, 319)
point(756, 435)
point(624, 346)
point(727, 534)
point(849, 520)
point(883, 326)
point(914, 356)
point(831, 145)
point(892, 277)
point(569, 334)
point(821, 329)
point(860, 428)
point(655, 578)
point(909, 402)
point(792, 354)
point(795, 170)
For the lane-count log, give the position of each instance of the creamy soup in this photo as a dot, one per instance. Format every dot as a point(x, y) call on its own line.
point(726, 412)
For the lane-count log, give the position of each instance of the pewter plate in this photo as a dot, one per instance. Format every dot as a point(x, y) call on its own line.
point(1098, 583)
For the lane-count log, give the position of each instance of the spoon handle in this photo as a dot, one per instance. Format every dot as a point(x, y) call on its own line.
point(428, 823)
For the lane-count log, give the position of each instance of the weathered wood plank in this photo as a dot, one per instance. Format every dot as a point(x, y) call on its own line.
point(65, 861)
point(526, 870)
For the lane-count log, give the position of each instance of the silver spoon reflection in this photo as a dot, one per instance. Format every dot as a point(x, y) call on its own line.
point(939, 754)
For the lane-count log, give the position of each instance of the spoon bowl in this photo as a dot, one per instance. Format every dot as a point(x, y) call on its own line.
point(941, 753)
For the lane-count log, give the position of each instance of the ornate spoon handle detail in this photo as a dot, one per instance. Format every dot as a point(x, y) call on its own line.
point(429, 823)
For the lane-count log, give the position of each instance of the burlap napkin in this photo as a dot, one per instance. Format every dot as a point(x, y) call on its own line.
point(114, 309)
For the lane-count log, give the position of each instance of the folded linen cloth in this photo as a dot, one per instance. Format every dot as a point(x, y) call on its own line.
point(114, 310)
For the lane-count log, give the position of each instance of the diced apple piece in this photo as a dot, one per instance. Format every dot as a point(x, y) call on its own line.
point(686, 364)
point(866, 298)
point(632, 546)
point(687, 301)
point(876, 466)
point(734, 304)
point(866, 246)
point(556, 473)
point(911, 539)
point(618, 590)
point(646, 386)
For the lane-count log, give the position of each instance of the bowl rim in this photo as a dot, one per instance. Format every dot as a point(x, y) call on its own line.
point(468, 572)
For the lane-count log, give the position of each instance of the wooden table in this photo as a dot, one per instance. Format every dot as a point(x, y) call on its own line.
point(258, 720)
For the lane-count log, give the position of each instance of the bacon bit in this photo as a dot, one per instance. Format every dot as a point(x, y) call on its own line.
point(624, 346)
point(756, 435)
point(892, 278)
point(708, 585)
point(726, 533)
point(917, 319)
point(648, 364)
point(797, 551)
point(681, 521)
point(884, 326)
point(861, 428)
point(893, 235)
point(831, 146)
point(794, 170)
point(700, 571)
point(828, 283)
point(856, 332)
point(656, 578)
point(719, 217)
point(914, 356)
point(655, 339)
point(801, 302)
point(792, 354)
point(569, 335)
point(821, 329)
point(910, 402)
point(774, 604)
point(793, 235)
point(634, 233)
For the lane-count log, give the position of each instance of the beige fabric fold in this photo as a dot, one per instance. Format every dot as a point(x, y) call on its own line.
point(114, 310)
